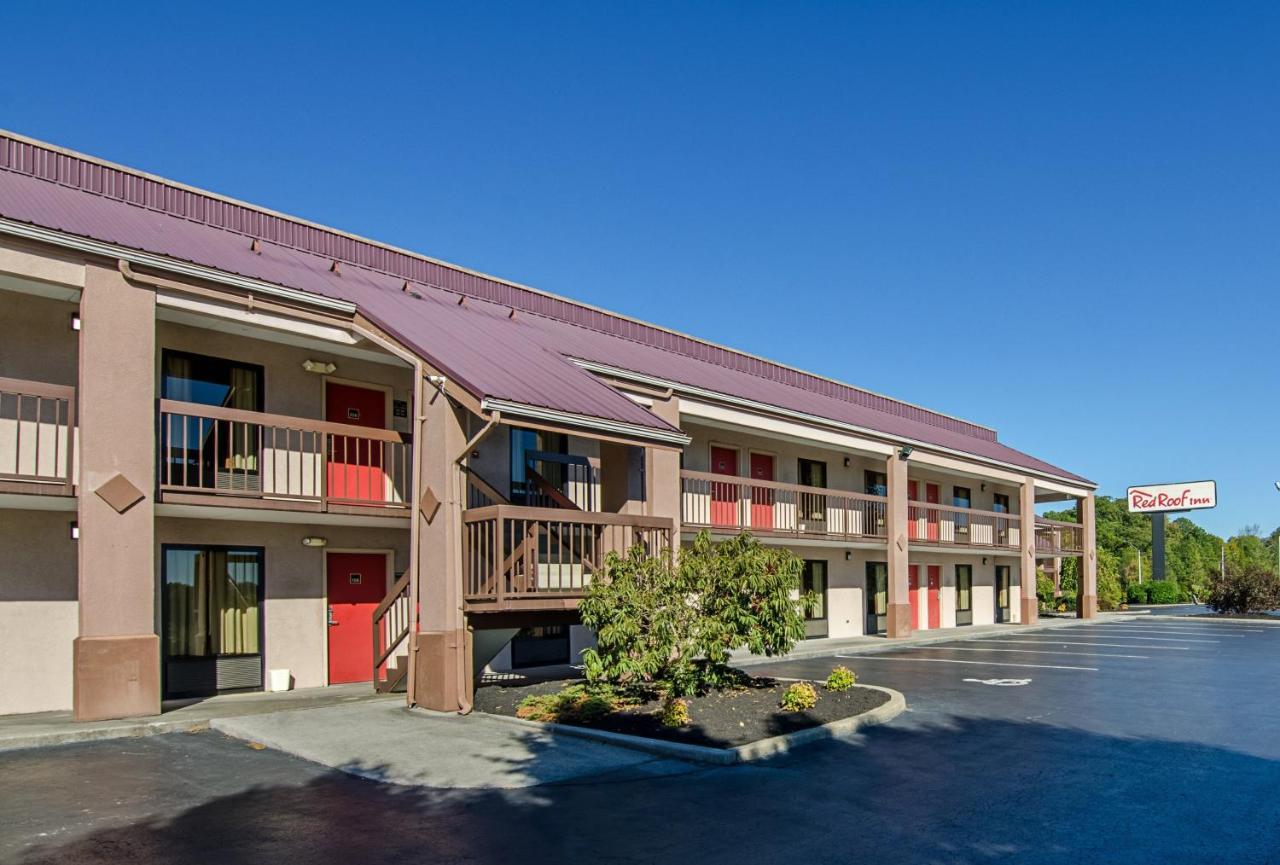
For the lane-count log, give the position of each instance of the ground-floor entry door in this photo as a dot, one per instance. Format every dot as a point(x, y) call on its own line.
point(877, 593)
point(357, 582)
point(935, 592)
point(1002, 593)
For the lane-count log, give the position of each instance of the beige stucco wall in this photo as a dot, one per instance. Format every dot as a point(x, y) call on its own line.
point(294, 611)
point(38, 343)
point(787, 455)
point(289, 389)
point(38, 610)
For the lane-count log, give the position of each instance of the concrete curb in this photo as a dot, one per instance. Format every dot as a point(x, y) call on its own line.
point(757, 750)
point(137, 730)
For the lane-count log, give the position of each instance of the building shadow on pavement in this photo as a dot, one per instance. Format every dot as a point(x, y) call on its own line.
point(962, 791)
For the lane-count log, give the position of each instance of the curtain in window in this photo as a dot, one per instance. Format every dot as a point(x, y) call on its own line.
point(212, 601)
point(964, 587)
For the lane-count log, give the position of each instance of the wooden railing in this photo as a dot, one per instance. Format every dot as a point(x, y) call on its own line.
point(37, 436)
point(315, 464)
point(392, 622)
point(1059, 538)
point(723, 502)
point(947, 525)
point(554, 480)
point(513, 555)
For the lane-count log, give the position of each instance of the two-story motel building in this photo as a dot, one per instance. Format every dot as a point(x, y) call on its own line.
point(233, 442)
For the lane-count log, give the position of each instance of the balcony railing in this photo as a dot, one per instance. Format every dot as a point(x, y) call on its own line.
point(37, 437)
point(946, 525)
point(1054, 537)
point(726, 503)
point(517, 557)
point(283, 462)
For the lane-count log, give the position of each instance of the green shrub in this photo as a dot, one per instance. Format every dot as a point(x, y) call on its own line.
point(798, 697)
point(575, 704)
point(674, 712)
point(670, 628)
point(841, 679)
point(1137, 593)
point(1252, 590)
point(1164, 592)
point(1044, 587)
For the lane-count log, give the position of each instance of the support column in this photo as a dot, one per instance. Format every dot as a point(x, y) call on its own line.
point(1027, 513)
point(662, 471)
point(443, 678)
point(621, 472)
point(899, 622)
point(1087, 573)
point(116, 658)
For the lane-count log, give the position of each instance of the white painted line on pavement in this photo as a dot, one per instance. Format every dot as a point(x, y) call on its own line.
point(1059, 642)
point(1034, 652)
point(861, 658)
point(1165, 639)
point(1120, 629)
point(1189, 629)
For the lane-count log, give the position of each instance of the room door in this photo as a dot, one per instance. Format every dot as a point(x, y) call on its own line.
point(762, 497)
point(1002, 593)
point(724, 494)
point(935, 589)
point(933, 496)
point(356, 583)
point(355, 470)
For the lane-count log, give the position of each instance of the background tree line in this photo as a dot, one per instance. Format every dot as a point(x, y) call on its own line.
point(1193, 555)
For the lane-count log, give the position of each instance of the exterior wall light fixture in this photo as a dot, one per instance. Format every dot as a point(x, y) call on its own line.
point(75, 530)
point(319, 366)
point(75, 321)
point(312, 541)
point(906, 452)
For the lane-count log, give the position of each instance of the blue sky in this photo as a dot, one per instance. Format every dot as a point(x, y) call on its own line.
point(1061, 220)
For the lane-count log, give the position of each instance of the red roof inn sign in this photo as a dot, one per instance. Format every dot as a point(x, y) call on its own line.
point(1159, 498)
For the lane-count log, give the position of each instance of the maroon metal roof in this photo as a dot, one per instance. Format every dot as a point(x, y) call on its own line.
point(477, 344)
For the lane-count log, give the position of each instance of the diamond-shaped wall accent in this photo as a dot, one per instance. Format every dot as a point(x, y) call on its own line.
point(429, 504)
point(120, 494)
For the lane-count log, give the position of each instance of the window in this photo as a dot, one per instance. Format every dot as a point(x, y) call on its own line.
point(524, 444)
point(212, 619)
point(540, 646)
point(877, 594)
point(813, 507)
point(961, 498)
point(1000, 504)
point(964, 594)
point(814, 579)
point(207, 452)
point(877, 483)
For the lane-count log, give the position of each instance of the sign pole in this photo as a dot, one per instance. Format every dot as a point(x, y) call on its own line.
point(1157, 545)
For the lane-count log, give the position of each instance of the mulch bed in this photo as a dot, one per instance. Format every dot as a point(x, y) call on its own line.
point(723, 719)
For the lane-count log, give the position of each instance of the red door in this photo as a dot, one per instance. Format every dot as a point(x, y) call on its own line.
point(355, 464)
point(357, 583)
point(762, 497)
point(724, 495)
point(913, 581)
point(935, 589)
point(932, 496)
point(913, 513)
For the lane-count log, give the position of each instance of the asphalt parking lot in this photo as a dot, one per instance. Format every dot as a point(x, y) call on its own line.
point(1151, 740)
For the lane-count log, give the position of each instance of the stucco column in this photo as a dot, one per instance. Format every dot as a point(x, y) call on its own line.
point(1030, 611)
point(443, 678)
point(620, 473)
point(899, 623)
point(662, 470)
point(117, 655)
point(1087, 592)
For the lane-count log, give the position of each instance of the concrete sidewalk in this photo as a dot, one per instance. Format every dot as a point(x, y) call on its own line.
point(385, 741)
point(869, 645)
point(59, 728)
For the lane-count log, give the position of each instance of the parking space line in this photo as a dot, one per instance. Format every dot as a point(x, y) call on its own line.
point(1164, 639)
point(861, 658)
point(1189, 629)
point(1034, 652)
point(1122, 629)
point(1059, 642)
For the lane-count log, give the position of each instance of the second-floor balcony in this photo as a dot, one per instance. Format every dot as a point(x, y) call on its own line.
point(1057, 538)
point(948, 525)
point(216, 455)
point(723, 503)
point(37, 437)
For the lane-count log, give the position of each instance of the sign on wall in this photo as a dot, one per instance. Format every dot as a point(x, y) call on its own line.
point(1157, 498)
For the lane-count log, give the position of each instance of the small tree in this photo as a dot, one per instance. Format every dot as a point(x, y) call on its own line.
point(672, 627)
point(1252, 589)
